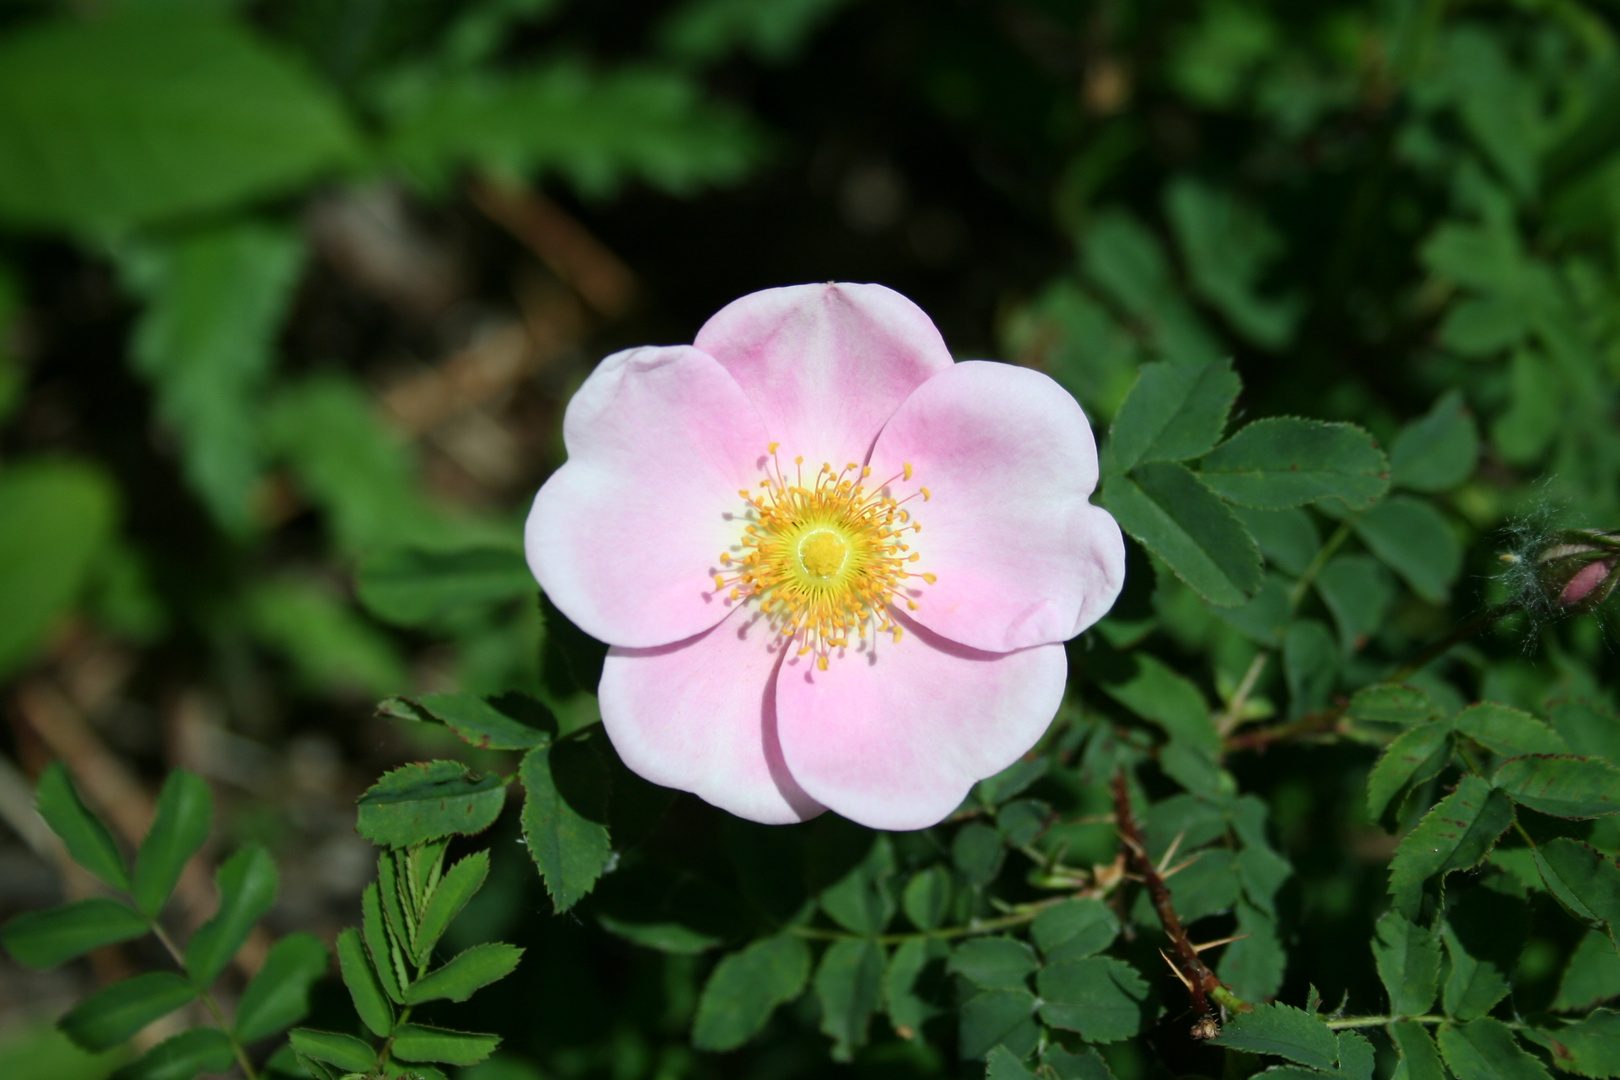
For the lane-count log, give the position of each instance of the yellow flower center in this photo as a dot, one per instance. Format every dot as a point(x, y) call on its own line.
point(826, 559)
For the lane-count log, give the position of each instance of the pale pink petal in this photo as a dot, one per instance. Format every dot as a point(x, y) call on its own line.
point(626, 536)
point(825, 364)
point(1020, 556)
point(700, 716)
point(894, 739)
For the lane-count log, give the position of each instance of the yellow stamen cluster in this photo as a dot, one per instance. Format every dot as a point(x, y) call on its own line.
point(827, 559)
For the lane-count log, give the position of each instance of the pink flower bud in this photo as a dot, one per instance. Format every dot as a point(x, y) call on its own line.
point(1578, 572)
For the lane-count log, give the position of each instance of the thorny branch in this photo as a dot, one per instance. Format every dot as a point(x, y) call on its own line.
point(1189, 967)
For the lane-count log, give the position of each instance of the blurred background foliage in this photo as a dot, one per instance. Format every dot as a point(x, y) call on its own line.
point(292, 295)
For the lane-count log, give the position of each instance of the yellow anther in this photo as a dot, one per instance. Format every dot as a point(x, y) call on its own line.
point(824, 560)
point(930, 578)
point(905, 470)
point(771, 449)
point(925, 494)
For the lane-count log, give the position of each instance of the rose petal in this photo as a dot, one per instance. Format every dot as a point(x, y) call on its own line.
point(700, 715)
point(1021, 557)
point(625, 537)
point(825, 364)
point(895, 739)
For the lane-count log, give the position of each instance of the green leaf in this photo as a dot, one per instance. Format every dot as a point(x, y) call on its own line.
point(1408, 957)
point(1102, 998)
point(1003, 1064)
point(994, 963)
point(216, 299)
point(70, 509)
point(84, 835)
point(860, 900)
point(458, 885)
point(329, 645)
point(927, 897)
point(1287, 461)
point(345, 1051)
point(1074, 928)
point(418, 1042)
point(598, 129)
point(509, 722)
point(1593, 974)
point(278, 996)
point(1584, 879)
point(417, 803)
point(1207, 883)
point(849, 985)
point(130, 119)
point(1174, 412)
point(1484, 932)
point(1416, 756)
point(1358, 591)
point(1310, 665)
point(466, 973)
point(564, 818)
point(247, 889)
point(1509, 732)
point(1150, 689)
point(1404, 705)
point(1562, 786)
point(43, 939)
point(1589, 1047)
point(1227, 244)
point(998, 1018)
point(916, 987)
point(1253, 964)
point(1420, 1058)
point(1412, 539)
point(370, 1002)
point(399, 913)
point(1485, 1049)
point(1589, 730)
point(182, 1056)
point(1455, 835)
point(1356, 1056)
point(774, 33)
point(1182, 521)
point(184, 810)
point(1437, 451)
point(115, 1013)
point(380, 946)
point(1088, 1065)
point(746, 987)
point(1287, 537)
point(412, 587)
point(1283, 1031)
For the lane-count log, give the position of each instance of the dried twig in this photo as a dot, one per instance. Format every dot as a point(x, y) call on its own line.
point(1201, 983)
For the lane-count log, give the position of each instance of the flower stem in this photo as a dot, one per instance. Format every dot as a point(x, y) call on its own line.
point(208, 1001)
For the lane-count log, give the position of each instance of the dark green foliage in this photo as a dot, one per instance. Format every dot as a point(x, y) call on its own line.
point(184, 811)
point(564, 817)
point(87, 839)
point(1283, 1031)
point(746, 987)
point(1287, 461)
point(108, 1017)
point(46, 938)
point(418, 803)
point(278, 996)
point(182, 1056)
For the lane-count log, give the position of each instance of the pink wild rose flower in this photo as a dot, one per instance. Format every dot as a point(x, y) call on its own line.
point(835, 568)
